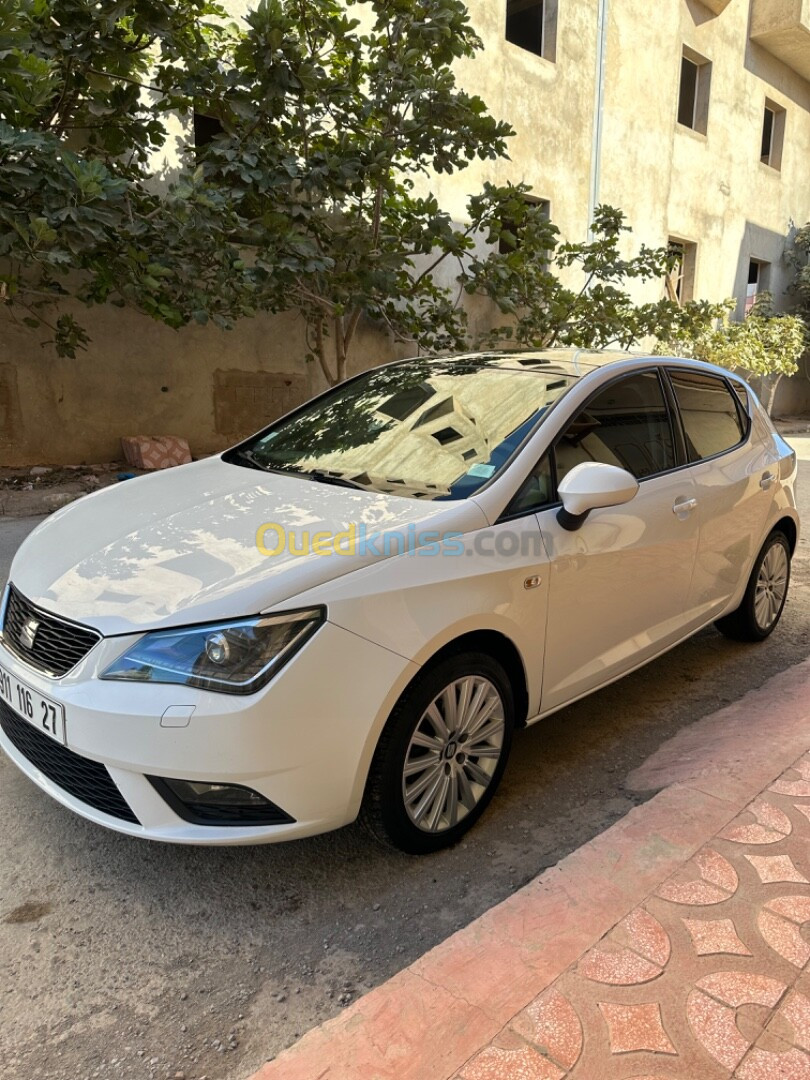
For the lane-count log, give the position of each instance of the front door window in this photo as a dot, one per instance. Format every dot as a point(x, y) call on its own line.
point(627, 425)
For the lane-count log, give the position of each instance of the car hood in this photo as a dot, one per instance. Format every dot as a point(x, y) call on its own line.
point(180, 547)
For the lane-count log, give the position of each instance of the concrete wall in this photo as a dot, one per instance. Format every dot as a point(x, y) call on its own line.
point(138, 377)
point(709, 189)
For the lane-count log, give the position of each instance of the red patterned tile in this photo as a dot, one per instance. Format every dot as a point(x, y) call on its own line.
point(795, 908)
point(763, 1064)
point(718, 881)
point(796, 1010)
point(771, 816)
point(694, 893)
point(775, 868)
point(784, 938)
point(636, 1027)
point(737, 988)
point(618, 967)
point(772, 825)
point(646, 935)
point(497, 1063)
point(717, 870)
point(712, 936)
point(751, 834)
point(552, 1023)
point(715, 1029)
point(797, 789)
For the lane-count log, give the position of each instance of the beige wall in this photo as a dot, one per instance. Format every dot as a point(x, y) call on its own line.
point(672, 182)
point(138, 377)
point(710, 189)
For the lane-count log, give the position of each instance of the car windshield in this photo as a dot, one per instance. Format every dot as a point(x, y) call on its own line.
point(425, 428)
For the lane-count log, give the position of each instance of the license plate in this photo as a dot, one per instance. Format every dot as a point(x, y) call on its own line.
point(46, 715)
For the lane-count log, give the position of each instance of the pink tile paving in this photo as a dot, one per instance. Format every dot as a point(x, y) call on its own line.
point(711, 937)
point(776, 868)
point(771, 825)
point(508, 1057)
point(795, 908)
point(797, 786)
point(713, 880)
point(644, 933)
point(714, 1026)
point(671, 947)
point(552, 1024)
point(619, 967)
point(787, 1064)
point(783, 937)
point(635, 1027)
point(796, 1011)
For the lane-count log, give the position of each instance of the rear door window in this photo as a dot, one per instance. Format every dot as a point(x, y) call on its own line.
point(710, 415)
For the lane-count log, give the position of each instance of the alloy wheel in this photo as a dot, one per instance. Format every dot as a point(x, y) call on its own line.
point(771, 586)
point(453, 754)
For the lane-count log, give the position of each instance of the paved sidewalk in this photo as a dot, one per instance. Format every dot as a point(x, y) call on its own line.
point(674, 946)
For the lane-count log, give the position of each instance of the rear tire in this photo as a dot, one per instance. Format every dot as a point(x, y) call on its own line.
point(441, 755)
point(765, 595)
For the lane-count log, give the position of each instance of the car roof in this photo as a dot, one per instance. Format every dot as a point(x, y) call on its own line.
point(576, 363)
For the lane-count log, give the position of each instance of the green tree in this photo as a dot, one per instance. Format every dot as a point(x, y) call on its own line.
point(765, 345)
point(315, 195)
point(86, 89)
point(798, 257)
point(522, 279)
point(331, 128)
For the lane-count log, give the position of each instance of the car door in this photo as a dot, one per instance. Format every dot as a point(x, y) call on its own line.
point(733, 479)
point(619, 583)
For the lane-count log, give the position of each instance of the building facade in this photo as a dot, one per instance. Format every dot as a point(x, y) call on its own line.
point(693, 116)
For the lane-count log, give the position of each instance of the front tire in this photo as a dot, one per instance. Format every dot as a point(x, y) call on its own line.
point(761, 609)
point(441, 755)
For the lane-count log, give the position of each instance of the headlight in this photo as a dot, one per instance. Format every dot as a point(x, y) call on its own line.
point(237, 657)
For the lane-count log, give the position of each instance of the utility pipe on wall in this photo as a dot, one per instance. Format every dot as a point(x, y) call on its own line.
point(599, 108)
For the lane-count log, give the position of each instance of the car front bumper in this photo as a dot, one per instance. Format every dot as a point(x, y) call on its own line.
point(304, 741)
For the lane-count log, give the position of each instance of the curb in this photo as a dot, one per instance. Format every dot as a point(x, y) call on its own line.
point(22, 504)
point(426, 1022)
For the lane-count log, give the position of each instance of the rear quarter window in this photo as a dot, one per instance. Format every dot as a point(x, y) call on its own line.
point(709, 412)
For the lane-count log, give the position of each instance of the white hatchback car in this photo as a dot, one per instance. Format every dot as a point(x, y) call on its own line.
point(349, 613)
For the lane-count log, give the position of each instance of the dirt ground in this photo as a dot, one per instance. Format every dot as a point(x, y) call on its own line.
point(120, 958)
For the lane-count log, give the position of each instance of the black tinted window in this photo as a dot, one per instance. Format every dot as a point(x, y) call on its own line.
point(535, 492)
point(711, 420)
point(627, 425)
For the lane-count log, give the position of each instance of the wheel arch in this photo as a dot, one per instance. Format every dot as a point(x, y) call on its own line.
point(500, 648)
point(787, 526)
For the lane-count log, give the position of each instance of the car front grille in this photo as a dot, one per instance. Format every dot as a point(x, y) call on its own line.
point(57, 645)
point(88, 781)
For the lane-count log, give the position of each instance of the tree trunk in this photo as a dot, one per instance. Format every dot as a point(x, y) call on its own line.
point(768, 385)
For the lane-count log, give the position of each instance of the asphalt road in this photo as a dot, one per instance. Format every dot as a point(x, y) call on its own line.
point(120, 958)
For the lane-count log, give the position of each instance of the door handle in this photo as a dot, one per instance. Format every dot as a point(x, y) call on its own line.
point(685, 506)
point(766, 481)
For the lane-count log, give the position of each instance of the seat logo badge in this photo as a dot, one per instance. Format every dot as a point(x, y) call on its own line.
point(29, 632)
point(532, 582)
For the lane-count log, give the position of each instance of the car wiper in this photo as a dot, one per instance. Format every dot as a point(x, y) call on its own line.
point(319, 475)
point(250, 459)
point(323, 477)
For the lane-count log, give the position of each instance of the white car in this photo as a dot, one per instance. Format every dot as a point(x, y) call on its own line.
point(349, 613)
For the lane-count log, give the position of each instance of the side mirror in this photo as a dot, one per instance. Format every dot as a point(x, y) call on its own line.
point(592, 485)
